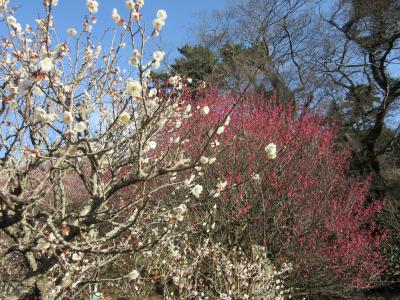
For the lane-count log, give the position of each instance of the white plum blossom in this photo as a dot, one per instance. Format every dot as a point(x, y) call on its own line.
point(224, 297)
point(215, 193)
point(80, 127)
point(189, 181)
point(46, 65)
point(77, 256)
point(133, 88)
point(152, 92)
point(205, 111)
point(134, 275)
point(178, 124)
point(158, 24)
point(222, 185)
point(227, 120)
point(135, 53)
point(17, 27)
point(197, 190)
point(140, 3)
point(180, 211)
point(44, 53)
point(87, 27)
point(24, 85)
point(54, 2)
point(11, 20)
point(124, 117)
point(156, 64)
point(152, 144)
point(41, 25)
point(3, 4)
point(158, 55)
point(40, 115)
point(188, 108)
point(204, 160)
point(211, 160)
point(92, 6)
point(115, 16)
point(87, 54)
point(67, 118)
point(134, 60)
point(162, 14)
point(130, 4)
point(68, 88)
point(173, 80)
point(221, 130)
point(135, 15)
point(271, 151)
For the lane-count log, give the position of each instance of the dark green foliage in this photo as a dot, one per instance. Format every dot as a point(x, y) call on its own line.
point(197, 62)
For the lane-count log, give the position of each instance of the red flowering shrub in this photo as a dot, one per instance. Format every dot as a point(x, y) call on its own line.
point(301, 206)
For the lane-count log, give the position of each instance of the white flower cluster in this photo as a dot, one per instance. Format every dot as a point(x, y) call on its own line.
point(124, 117)
point(42, 116)
point(92, 6)
point(133, 275)
point(25, 85)
point(159, 22)
point(271, 151)
point(3, 4)
point(158, 56)
point(52, 2)
point(176, 82)
point(140, 3)
point(46, 64)
point(220, 187)
point(80, 127)
point(134, 60)
point(12, 21)
point(197, 190)
point(180, 212)
point(68, 118)
point(116, 17)
point(72, 31)
point(232, 274)
point(220, 130)
point(130, 4)
point(205, 111)
point(133, 88)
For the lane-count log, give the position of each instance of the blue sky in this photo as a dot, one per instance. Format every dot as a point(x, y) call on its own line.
point(182, 14)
